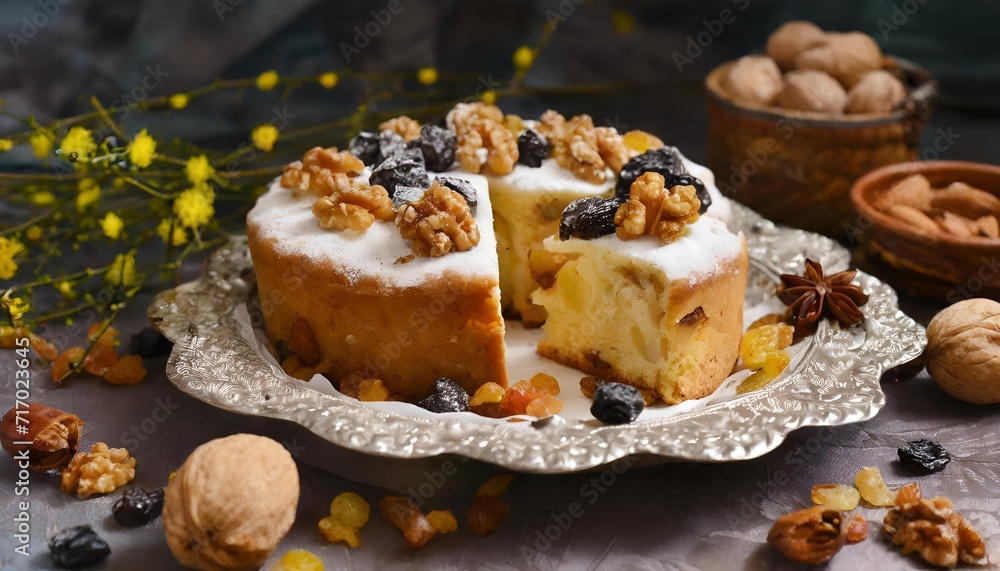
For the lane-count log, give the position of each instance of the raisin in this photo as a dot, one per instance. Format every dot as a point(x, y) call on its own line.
point(872, 487)
point(485, 514)
point(545, 382)
point(616, 403)
point(667, 161)
point(406, 517)
point(836, 496)
point(76, 547)
point(437, 146)
point(138, 507)
point(299, 560)
point(405, 168)
point(389, 144)
point(589, 218)
point(334, 530)
point(351, 509)
point(532, 149)
point(496, 485)
point(447, 397)
point(365, 146)
point(149, 343)
point(924, 454)
point(461, 186)
point(443, 521)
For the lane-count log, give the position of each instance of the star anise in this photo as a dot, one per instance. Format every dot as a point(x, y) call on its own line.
point(813, 295)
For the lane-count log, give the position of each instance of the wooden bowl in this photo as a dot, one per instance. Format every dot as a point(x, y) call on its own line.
point(938, 265)
point(797, 167)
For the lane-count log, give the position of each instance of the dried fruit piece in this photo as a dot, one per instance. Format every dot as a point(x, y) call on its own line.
point(908, 494)
point(404, 516)
point(872, 487)
point(857, 529)
point(811, 536)
point(518, 397)
point(372, 390)
point(351, 509)
point(545, 382)
point(66, 362)
point(53, 435)
point(138, 507)
point(544, 406)
point(641, 141)
point(100, 471)
point(127, 371)
point(334, 531)
point(461, 186)
point(588, 385)
point(108, 337)
point(616, 403)
point(404, 168)
point(365, 146)
point(758, 342)
point(589, 218)
point(836, 496)
point(496, 485)
point(76, 547)
point(299, 560)
point(485, 514)
point(487, 393)
point(437, 145)
point(443, 521)
point(532, 148)
point(924, 454)
point(448, 396)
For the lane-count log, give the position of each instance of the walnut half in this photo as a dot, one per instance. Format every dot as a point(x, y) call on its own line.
point(932, 529)
point(100, 471)
point(439, 223)
point(655, 210)
point(322, 171)
point(354, 208)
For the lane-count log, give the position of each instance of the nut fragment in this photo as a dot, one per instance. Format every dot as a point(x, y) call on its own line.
point(53, 435)
point(963, 350)
point(480, 126)
point(878, 92)
point(791, 39)
point(100, 471)
point(439, 223)
point(231, 503)
point(812, 90)
point(405, 126)
point(575, 147)
point(354, 208)
point(321, 171)
point(933, 530)
point(612, 148)
point(654, 210)
point(754, 79)
point(811, 536)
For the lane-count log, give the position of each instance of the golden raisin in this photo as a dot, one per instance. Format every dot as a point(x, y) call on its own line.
point(443, 521)
point(485, 514)
point(769, 319)
point(101, 358)
point(641, 141)
point(487, 393)
point(127, 371)
point(495, 486)
point(775, 362)
point(404, 516)
point(299, 560)
point(302, 342)
point(758, 342)
point(836, 496)
point(334, 530)
point(544, 406)
point(547, 383)
point(372, 390)
point(351, 509)
point(872, 487)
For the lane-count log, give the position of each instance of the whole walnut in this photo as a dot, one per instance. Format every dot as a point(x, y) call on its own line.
point(846, 56)
point(791, 39)
point(878, 92)
point(754, 79)
point(811, 90)
point(963, 350)
point(230, 503)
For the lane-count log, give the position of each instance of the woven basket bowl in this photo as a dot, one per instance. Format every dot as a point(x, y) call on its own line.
point(937, 265)
point(797, 167)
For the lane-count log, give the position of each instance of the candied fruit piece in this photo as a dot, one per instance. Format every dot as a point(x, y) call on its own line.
point(924, 454)
point(299, 560)
point(836, 496)
point(127, 371)
point(641, 141)
point(485, 514)
point(758, 342)
point(372, 390)
point(488, 393)
point(443, 521)
point(908, 494)
point(518, 397)
point(616, 403)
point(857, 529)
point(65, 362)
point(872, 487)
point(334, 531)
point(544, 406)
point(588, 385)
point(102, 357)
point(448, 396)
point(547, 383)
point(43, 348)
point(109, 338)
point(495, 486)
point(351, 509)
point(406, 517)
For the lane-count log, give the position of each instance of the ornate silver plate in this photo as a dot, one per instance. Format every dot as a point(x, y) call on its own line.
point(833, 378)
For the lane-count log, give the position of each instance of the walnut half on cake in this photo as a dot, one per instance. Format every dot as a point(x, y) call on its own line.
point(660, 310)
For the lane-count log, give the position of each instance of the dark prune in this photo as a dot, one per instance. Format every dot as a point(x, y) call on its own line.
point(447, 397)
point(437, 146)
point(532, 149)
point(461, 186)
point(924, 454)
point(390, 143)
point(406, 194)
point(667, 161)
point(405, 168)
point(76, 547)
point(149, 343)
point(137, 507)
point(589, 218)
point(365, 146)
point(616, 403)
